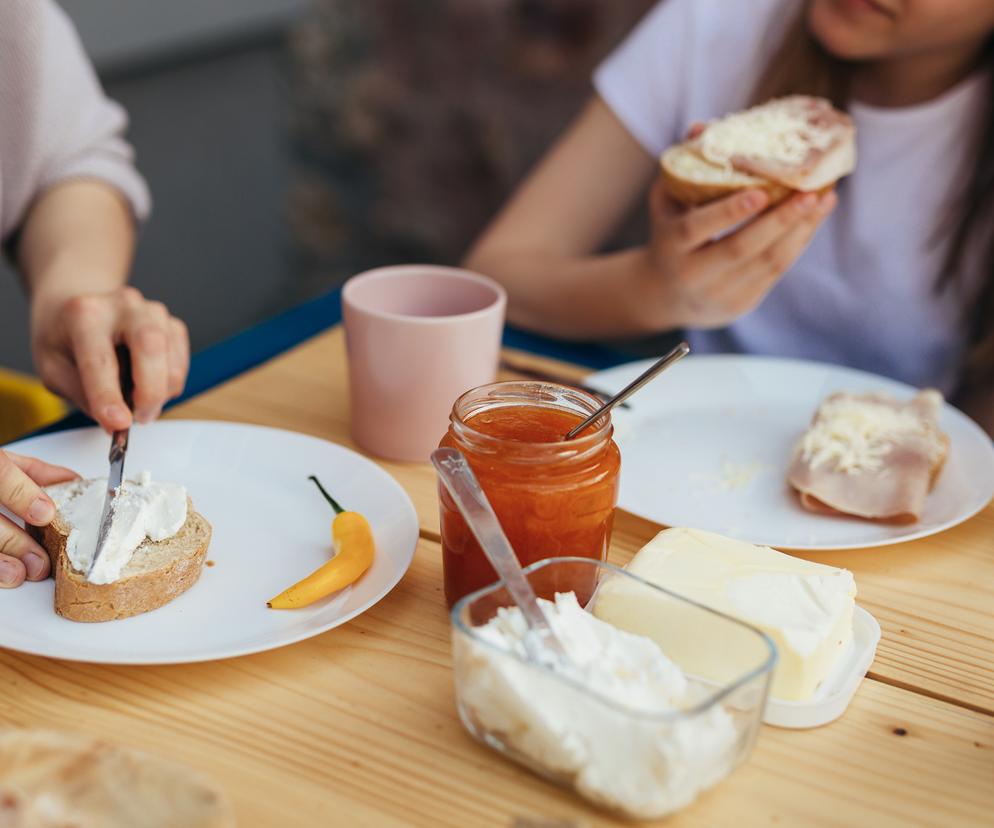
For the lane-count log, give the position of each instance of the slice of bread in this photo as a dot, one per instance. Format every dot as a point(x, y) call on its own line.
point(54, 780)
point(157, 573)
point(792, 144)
point(692, 181)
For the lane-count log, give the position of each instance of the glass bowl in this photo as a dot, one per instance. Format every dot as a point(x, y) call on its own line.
point(639, 763)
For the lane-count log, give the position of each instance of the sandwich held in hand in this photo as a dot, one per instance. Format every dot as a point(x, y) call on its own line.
point(805, 607)
point(154, 551)
point(871, 456)
point(352, 539)
point(797, 143)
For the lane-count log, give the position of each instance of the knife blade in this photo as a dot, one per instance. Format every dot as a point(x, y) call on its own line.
point(118, 452)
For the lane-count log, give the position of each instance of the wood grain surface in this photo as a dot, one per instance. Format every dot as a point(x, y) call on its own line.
point(934, 598)
point(358, 726)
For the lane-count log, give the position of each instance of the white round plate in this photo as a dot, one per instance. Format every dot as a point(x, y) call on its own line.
point(271, 528)
point(708, 444)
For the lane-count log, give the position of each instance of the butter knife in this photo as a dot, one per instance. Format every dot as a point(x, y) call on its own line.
point(118, 452)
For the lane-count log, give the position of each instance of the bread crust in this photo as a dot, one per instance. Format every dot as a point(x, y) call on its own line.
point(695, 193)
point(79, 600)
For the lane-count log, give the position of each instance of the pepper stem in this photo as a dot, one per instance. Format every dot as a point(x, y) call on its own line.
point(334, 503)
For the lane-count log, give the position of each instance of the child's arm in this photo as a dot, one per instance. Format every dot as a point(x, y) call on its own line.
point(542, 246)
point(75, 253)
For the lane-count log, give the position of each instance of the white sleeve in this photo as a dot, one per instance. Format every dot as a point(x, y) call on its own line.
point(643, 80)
point(82, 131)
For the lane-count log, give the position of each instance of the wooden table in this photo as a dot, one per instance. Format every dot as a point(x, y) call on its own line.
point(358, 726)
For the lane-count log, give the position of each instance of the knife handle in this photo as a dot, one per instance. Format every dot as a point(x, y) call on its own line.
point(127, 380)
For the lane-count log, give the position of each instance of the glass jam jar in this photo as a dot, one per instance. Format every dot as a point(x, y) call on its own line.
point(553, 497)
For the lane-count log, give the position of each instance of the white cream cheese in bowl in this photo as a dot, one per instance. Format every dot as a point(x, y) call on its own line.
point(620, 723)
point(143, 510)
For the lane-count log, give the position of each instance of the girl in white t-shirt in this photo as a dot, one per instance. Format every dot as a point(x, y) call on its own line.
point(892, 272)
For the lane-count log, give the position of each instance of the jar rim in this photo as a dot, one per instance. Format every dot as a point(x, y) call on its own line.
point(602, 428)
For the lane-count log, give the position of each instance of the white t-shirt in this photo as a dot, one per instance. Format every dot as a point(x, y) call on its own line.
point(863, 293)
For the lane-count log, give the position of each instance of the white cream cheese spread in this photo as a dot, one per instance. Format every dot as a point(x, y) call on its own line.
point(805, 607)
point(779, 131)
point(600, 721)
point(143, 509)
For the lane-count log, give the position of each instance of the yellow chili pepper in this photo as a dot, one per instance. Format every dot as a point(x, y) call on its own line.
point(352, 537)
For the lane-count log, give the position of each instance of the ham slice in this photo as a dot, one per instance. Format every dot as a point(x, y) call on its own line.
point(871, 456)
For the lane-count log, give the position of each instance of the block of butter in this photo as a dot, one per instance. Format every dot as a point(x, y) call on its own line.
point(805, 607)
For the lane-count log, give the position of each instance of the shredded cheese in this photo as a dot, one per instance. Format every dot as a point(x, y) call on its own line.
point(737, 477)
point(855, 434)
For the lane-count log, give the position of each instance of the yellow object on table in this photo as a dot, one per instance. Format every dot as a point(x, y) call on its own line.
point(352, 538)
point(25, 405)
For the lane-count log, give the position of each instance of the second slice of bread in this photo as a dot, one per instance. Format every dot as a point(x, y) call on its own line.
point(157, 573)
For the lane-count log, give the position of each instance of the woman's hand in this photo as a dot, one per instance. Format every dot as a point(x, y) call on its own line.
point(74, 340)
point(701, 272)
point(21, 479)
point(543, 245)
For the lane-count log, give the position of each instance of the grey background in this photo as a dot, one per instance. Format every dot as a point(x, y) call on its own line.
point(206, 85)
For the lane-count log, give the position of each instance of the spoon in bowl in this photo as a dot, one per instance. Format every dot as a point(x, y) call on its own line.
point(678, 353)
point(542, 645)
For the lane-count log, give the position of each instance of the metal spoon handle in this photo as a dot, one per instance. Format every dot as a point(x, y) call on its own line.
point(678, 353)
point(462, 485)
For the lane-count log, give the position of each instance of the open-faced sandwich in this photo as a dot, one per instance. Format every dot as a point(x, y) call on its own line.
point(870, 455)
point(154, 552)
point(791, 144)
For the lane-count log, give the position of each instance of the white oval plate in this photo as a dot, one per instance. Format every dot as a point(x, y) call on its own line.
point(271, 528)
point(707, 445)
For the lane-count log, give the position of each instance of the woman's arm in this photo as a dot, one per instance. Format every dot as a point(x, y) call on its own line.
point(542, 245)
point(71, 199)
point(538, 245)
point(75, 253)
point(78, 237)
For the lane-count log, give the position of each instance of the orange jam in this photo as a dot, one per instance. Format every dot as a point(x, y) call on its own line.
point(553, 497)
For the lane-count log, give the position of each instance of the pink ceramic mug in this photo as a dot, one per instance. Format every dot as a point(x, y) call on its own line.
point(418, 336)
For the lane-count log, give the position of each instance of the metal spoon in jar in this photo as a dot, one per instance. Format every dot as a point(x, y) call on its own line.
point(678, 353)
point(461, 483)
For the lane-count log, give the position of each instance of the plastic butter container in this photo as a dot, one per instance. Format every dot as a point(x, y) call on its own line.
point(642, 746)
point(832, 697)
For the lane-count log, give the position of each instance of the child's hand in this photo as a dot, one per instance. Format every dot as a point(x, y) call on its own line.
point(74, 343)
point(704, 281)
